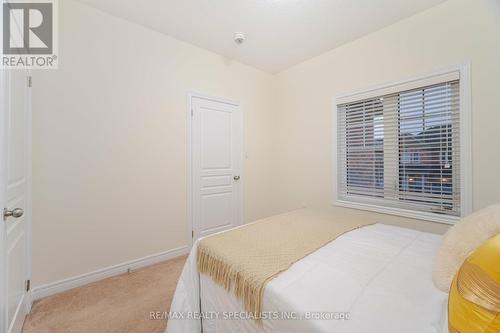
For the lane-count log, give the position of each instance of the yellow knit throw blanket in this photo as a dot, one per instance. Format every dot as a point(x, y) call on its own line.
point(243, 260)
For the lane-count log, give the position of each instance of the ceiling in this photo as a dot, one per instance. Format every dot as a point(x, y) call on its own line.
point(280, 33)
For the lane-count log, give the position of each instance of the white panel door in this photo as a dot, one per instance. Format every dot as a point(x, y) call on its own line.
point(14, 198)
point(216, 166)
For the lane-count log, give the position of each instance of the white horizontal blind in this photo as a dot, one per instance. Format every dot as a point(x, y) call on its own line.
point(402, 149)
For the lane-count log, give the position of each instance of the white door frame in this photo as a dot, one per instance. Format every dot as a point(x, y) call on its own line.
point(3, 291)
point(240, 188)
point(4, 90)
point(29, 205)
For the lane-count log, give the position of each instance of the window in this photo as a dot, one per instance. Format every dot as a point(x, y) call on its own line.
point(399, 149)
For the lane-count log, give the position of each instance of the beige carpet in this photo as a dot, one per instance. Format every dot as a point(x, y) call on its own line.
point(120, 304)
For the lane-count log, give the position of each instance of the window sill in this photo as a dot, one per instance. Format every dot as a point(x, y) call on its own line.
point(399, 212)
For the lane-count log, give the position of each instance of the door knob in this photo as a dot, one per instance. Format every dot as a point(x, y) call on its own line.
point(16, 213)
point(236, 177)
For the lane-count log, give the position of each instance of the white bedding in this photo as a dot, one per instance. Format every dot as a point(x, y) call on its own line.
point(380, 276)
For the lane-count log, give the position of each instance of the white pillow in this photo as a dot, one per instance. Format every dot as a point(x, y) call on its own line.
point(461, 240)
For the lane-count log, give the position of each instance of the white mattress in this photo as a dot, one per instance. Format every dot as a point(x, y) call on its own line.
point(379, 276)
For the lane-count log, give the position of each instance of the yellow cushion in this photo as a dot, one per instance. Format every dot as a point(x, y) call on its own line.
point(474, 302)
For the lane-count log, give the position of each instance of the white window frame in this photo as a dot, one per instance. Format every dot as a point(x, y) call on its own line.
point(465, 147)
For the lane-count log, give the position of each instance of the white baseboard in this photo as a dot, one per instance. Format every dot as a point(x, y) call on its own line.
point(80, 280)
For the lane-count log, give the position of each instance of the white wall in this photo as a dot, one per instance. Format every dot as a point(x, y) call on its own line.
point(451, 33)
point(109, 142)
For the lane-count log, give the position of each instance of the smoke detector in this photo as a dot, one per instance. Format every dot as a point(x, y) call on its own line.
point(239, 38)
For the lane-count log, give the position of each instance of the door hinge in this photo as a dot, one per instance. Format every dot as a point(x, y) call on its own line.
point(30, 81)
point(192, 112)
point(192, 233)
point(28, 285)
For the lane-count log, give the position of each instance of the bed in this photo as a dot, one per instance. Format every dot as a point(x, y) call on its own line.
point(373, 279)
